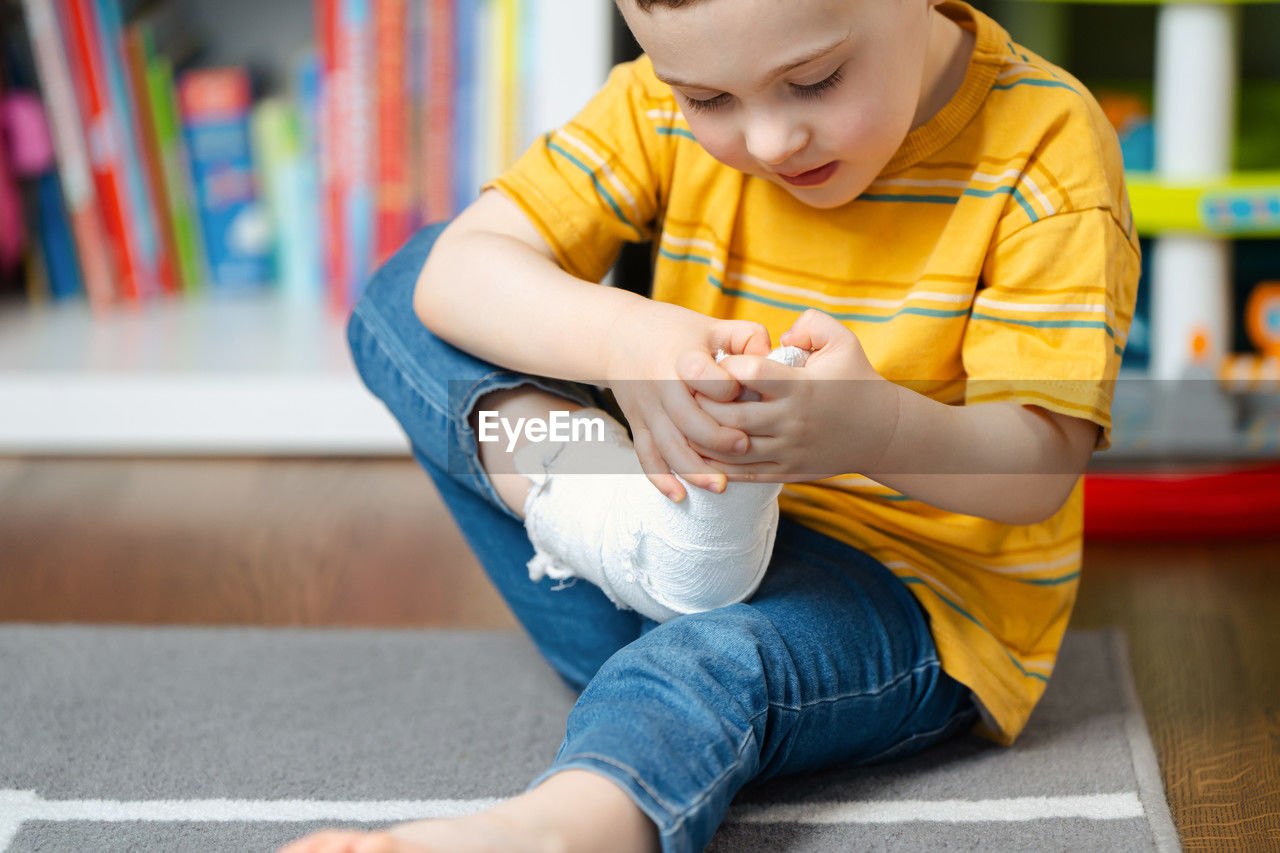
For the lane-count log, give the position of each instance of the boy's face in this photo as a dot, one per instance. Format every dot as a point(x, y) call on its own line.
point(844, 113)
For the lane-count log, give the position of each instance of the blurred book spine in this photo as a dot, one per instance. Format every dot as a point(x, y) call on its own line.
point(439, 176)
point(156, 274)
point(215, 105)
point(76, 179)
point(193, 263)
point(173, 182)
point(280, 152)
point(393, 132)
point(136, 53)
point(353, 146)
point(106, 149)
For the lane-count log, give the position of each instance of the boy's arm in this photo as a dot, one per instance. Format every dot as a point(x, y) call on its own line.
point(1004, 461)
point(492, 287)
point(1001, 460)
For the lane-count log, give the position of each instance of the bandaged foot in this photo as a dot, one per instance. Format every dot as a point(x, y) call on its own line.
point(591, 513)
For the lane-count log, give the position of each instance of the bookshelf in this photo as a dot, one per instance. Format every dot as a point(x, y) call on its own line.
point(254, 370)
point(259, 373)
point(247, 374)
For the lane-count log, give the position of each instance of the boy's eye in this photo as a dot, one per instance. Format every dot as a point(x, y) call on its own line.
point(814, 90)
point(708, 104)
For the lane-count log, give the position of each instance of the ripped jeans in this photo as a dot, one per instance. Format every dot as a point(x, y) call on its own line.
point(830, 663)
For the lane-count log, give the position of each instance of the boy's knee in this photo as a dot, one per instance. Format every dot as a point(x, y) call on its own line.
point(730, 645)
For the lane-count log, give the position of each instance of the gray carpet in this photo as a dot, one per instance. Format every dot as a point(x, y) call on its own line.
point(240, 739)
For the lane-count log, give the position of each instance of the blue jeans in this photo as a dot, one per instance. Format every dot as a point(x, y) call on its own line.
point(830, 664)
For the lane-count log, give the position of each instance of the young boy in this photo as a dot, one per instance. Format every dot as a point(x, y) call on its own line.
point(938, 218)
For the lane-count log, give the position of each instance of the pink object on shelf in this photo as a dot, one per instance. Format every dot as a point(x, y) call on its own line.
point(13, 231)
point(27, 130)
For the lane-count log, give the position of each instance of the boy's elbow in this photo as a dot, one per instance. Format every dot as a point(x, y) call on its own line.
point(1046, 500)
point(426, 304)
point(1022, 518)
point(421, 299)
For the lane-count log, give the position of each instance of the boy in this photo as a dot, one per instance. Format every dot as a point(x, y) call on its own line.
point(938, 217)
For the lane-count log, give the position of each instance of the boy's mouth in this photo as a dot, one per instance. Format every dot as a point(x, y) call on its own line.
point(811, 177)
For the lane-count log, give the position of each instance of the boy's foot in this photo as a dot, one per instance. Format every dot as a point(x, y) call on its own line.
point(485, 832)
point(591, 513)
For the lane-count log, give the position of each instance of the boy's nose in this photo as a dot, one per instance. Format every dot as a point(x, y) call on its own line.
point(773, 142)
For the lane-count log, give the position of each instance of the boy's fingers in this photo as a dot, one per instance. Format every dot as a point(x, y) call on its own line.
point(674, 448)
point(759, 374)
point(700, 373)
point(655, 469)
point(740, 337)
point(747, 418)
point(812, 330)
point(690, 423)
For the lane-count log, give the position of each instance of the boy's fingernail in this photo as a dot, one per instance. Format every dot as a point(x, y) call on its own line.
point(740, 446)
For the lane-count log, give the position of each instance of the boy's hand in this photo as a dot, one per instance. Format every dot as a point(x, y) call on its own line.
point(833, 416)
point(650, 350)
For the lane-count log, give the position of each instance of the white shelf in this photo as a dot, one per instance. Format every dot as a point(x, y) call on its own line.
point(217, 375)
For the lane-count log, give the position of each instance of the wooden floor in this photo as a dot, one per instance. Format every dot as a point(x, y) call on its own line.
point(368, 543)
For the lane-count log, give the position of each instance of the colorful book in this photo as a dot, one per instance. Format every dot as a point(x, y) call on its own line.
point(488, 123)
point(215, 106)
point(105, 148)
point(506, 60)
point(192, 263)
point(354, 150)
point(438, 175)
point(136, 57)
point(157, 270)
point(57, 244)
point(310, 83)
point(466, 144)
point(331, 191)
point(394, 194)
point(52, 268)
point(74, 173)
point(278, 152)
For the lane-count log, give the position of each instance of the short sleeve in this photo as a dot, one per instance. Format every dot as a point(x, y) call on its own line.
point(1049, 324)
point(600, 180)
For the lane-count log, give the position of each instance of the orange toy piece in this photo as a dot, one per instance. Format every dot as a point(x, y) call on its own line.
point(1262, 317)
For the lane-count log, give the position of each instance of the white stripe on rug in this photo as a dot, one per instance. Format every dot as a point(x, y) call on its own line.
point(17, 807)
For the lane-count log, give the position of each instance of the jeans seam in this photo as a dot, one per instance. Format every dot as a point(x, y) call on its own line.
point(750, 736)
point(863, 695)
point(897, 746)
point(462, 403)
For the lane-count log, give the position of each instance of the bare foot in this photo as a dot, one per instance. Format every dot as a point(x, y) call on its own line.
point(485, 832)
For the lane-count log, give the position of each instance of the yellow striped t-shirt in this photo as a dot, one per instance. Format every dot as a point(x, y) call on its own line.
point(994, 258)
